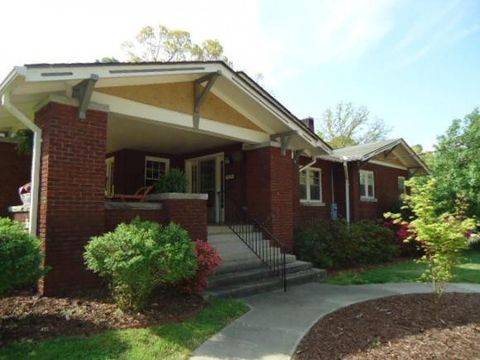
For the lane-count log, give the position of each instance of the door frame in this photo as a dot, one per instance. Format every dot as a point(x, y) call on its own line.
point(219, 181)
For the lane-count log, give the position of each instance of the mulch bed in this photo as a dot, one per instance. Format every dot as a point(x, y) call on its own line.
point(30, 317)
point(398, 327)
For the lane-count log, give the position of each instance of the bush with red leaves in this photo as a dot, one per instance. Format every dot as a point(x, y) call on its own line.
point(208, 260)
point(402, 233)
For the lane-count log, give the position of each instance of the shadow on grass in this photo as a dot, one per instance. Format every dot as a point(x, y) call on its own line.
point(173, 341)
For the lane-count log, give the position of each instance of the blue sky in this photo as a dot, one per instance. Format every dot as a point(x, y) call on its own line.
point(415, 64)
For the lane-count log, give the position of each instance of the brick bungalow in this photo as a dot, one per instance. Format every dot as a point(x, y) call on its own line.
point(107, 129)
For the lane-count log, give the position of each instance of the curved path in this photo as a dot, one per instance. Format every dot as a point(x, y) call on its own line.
point(277, 321)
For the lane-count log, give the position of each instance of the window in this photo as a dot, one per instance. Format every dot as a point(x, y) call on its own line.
point(154, 169)
point(311, 185)
point(401, 185)
point(367, 185)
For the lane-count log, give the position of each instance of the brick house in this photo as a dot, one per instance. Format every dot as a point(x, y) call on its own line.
point(106, 129)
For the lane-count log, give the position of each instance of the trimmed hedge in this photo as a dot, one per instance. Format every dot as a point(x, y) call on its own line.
point(335, 244)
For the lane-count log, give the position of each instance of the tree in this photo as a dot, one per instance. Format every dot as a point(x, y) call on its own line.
point(456, 164)
point(442, 235)
point(347, 125)
point(163, 44)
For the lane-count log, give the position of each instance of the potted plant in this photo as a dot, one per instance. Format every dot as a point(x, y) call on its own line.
point(24, 192)
point(174, 181)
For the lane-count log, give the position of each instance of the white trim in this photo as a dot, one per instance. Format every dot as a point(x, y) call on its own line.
point(308, 198)
point(382, 163)
point(154, 159)
point(366, 173)
point(110, 176)
point(180, 120)
point(176, 196)
point(312, 202)
point(404, 186)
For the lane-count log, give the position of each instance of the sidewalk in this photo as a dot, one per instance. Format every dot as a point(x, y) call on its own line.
point(277, 321)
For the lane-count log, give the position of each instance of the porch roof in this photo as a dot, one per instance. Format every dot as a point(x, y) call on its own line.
point(394, 151)
point(31, 86)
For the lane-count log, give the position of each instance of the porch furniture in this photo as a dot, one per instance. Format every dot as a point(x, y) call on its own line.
point(139, 195)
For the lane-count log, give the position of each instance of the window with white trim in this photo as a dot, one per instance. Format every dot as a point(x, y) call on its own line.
point(401, 185)
point(155, 167)
point(367, 185)
point(311, 185)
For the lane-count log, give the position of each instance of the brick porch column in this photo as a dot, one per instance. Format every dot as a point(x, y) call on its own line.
point(71, 193)
point(271, 191)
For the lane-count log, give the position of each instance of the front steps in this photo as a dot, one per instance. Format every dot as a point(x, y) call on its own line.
point(243, 273)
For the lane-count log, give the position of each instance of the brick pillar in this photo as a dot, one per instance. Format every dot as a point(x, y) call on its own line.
point(271, 191)
point(191, 214)
point(71, 193)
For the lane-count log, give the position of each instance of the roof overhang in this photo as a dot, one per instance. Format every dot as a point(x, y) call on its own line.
point(29, 86)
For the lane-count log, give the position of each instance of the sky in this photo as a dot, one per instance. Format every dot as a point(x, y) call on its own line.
point(414, 64)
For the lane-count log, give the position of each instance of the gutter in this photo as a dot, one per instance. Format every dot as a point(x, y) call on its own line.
point(35, 172)
point(347, 189)
point(310, 164)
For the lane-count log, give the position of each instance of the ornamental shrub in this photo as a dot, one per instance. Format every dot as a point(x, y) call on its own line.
point(173, 181)
point(208, 260)
point(138, 257)
point(20, 257)
point(336, 244)
point(443, 236)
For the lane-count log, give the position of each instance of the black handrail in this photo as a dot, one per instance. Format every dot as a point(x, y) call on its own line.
point(269, 249)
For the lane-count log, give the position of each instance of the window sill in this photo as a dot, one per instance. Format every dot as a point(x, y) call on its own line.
point(312, 203)
point(370, 200)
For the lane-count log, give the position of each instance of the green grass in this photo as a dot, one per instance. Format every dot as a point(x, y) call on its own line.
point(174, 341)
point(467, 271)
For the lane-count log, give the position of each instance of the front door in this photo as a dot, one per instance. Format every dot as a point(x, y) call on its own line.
point(205, 176)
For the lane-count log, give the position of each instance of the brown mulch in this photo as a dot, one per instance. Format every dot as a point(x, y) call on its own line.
point(30, 317)
point(398, 327)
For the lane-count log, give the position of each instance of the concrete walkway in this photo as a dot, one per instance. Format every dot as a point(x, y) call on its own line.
point(278, 321)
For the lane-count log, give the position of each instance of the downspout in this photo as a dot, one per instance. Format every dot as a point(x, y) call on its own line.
point(35, 172)
point(347, 190)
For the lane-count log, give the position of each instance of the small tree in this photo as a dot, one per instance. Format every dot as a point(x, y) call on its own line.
point(442, 236)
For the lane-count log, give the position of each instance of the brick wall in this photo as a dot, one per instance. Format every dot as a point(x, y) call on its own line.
point(386, 190)
point(114, 217)
point(271, 191)
point(71, 193)
point(15, 172)
point(306, 214)
point(191, 214)
point(22, 217)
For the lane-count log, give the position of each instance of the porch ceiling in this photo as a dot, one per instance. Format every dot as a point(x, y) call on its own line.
point(129, 133)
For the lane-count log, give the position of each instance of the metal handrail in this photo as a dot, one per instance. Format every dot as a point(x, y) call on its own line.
point(268, 248)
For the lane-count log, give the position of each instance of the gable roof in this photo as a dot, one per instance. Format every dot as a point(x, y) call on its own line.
point(47, 73)
point(366, 152)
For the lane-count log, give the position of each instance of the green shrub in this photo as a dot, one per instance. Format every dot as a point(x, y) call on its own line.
point(138, 257)
point(174, 181)
point(20, 257)
point(335, 244)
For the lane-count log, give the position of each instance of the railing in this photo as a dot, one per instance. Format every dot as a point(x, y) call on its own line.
point(256, 236)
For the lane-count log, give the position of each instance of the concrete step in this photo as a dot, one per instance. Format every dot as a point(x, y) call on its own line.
point(257, 273)
point(255, 287)
point(238, 264)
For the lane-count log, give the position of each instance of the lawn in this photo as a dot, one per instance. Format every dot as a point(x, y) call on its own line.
point(173, 341)
point(467, 271)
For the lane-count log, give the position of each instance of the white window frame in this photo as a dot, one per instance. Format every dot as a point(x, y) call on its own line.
point(156, 159)
point(308, 199)
point(366, 173)
point(403, 178)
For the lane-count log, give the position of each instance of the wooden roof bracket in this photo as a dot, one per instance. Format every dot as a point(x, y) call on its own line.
point(285, 138)
point(83, 93)
point(200, 94)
